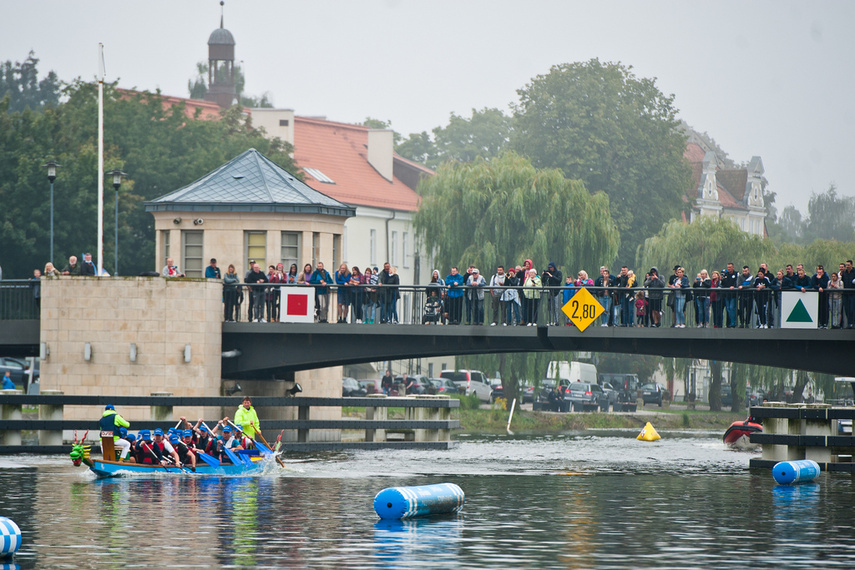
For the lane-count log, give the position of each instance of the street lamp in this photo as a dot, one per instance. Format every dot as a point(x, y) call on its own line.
point(117, 181)
point(51, 166)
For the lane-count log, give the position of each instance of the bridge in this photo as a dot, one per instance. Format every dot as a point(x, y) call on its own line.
point(266, 350)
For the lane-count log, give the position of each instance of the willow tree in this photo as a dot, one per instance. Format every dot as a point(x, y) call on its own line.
point(707, 243)
point(504, 211)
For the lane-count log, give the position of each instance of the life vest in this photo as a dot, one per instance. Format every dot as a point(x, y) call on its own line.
point(108, 422)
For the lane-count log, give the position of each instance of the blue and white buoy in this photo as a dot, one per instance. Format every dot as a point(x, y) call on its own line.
point(424, 500)
point(10, 537)
point(801, 471)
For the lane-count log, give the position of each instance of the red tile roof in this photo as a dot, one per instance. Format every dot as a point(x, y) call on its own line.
point(208, 110)
point(340, 151)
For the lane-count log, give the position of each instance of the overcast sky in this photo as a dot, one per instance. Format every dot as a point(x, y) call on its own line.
point(766, 78)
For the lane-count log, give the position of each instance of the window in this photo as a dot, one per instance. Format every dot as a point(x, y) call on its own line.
point(290, 249)
point(404, 253)
point(316, 248)
point(336, 248)
point(344, 245)
point(165, 237)
point(193, 263)
point(372, 247)
point(256, 249)
point(394, 249)
point(318, 175)
point(283, 122)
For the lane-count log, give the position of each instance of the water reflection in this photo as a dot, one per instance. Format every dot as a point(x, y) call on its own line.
point(568, 501)
point(405, 543)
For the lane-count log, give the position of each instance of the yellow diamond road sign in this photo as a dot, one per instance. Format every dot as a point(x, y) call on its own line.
point(582, 309)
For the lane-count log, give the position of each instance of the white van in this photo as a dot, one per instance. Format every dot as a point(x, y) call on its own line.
point(572, 371)
point(473, 381)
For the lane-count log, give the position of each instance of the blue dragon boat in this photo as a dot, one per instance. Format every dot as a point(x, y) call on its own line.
point(242, 463)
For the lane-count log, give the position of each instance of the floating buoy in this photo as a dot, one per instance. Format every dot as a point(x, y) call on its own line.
point(424, 500)
point(648, 433)
point(801, 471)
point(10, 537)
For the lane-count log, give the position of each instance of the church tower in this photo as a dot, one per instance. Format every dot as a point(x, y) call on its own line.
point(221, 66)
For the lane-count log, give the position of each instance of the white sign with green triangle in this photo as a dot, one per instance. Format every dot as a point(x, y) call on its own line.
point(799, 310)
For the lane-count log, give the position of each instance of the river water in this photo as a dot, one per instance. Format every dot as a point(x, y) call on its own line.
point(598, 499)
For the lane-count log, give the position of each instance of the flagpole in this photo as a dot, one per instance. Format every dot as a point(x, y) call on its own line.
point(101, 73)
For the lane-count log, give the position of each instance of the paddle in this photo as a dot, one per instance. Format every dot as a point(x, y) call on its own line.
point(278, 459)
point(232, 456)
point(209, 459)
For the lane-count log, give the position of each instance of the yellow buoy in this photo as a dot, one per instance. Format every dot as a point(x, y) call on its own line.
point(648, 433)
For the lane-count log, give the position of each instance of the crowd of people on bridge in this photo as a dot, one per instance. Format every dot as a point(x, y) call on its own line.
point(180, 446)
point(523, 296)
point(519, 296)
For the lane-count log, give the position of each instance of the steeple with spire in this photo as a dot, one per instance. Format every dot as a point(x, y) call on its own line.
point(221, 66)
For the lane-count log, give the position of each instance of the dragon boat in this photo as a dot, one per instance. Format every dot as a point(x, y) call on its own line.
point(243, 462)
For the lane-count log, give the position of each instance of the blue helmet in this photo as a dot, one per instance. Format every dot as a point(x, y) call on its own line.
point(173, 438)
point(131, 437)
point(110, 407)
point(188, 433)
point(123, 432)
point(158, 431)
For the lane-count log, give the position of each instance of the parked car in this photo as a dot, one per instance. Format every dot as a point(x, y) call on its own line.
point(654, 393)
point(611, 395)
point(755, 397)
point(444, 386)
point(527, 392)
point(473, 381)
point(542, 399)
point(350, 388)
point(370, 386)
point(585, 396)
point(726, 395)
point(419, 383)
point(19, 368)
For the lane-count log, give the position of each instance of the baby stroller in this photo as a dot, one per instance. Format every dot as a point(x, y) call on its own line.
point(433, 307)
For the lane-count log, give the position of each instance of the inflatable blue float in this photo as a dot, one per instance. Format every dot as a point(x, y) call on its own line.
point(801, 471)
point(421, 501)
point(10, 537)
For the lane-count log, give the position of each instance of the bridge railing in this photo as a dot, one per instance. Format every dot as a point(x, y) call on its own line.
point(19, 299)
point(542, 306)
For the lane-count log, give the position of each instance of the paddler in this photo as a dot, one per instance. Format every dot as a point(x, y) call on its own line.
point(113, 422)
point(248, 418)
point(160, 447)
point(184, 449)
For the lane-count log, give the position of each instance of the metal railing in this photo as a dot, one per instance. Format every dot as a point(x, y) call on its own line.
point(19, 299)
point(542, 306)
point(510, 306)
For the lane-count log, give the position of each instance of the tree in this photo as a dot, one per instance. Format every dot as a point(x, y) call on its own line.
point(830, 216)
point(420, 148)
point(160, 148)
point(706, 243)
point(615, 132)
point(20, 83)
point(485, 135)
point(505, 211)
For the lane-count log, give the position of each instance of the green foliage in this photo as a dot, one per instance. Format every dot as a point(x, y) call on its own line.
point(830, 217)
point(161, 150)
point(642, 365)
point(599, 123)
point(705, 243)
point(504, 211)
point(470, 402)
point(484, 135)
point(20, 82)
